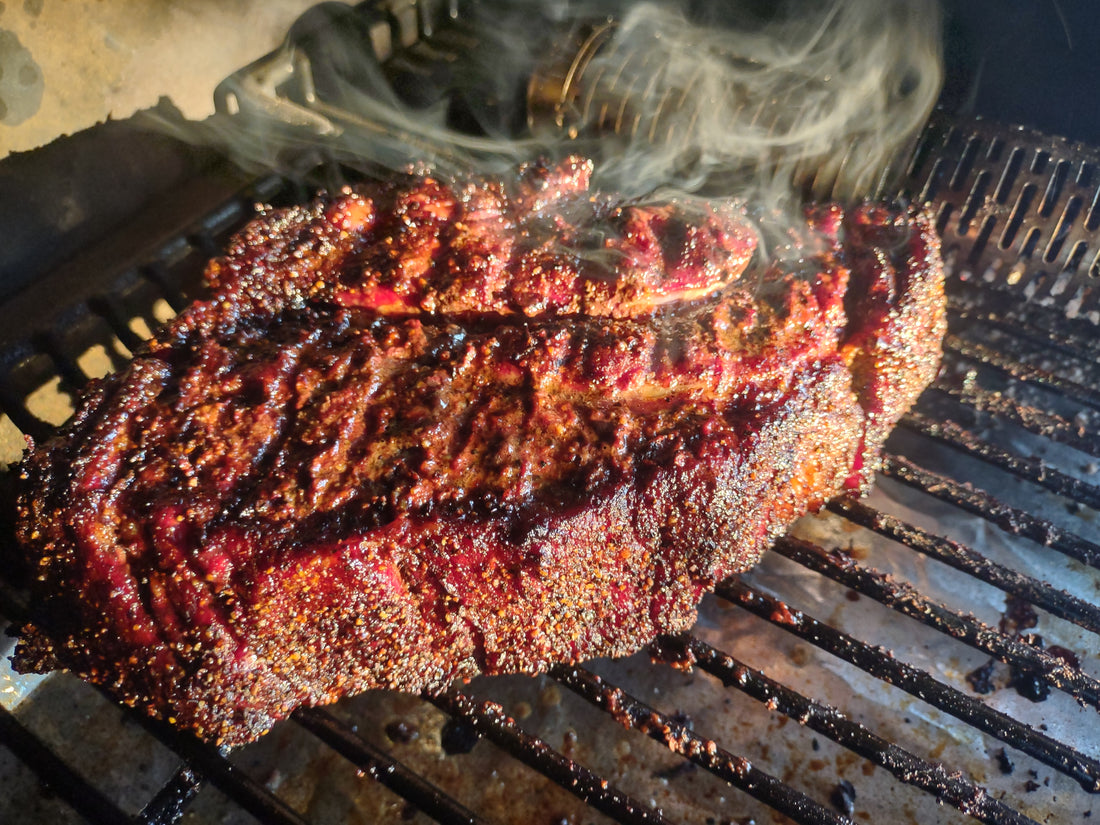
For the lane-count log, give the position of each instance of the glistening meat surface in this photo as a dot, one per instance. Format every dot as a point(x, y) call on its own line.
point(421, 431)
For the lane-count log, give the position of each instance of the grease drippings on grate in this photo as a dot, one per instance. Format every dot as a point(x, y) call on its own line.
point(626, 775)
point(843, 661)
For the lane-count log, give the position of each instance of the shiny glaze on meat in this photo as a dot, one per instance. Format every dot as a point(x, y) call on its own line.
point(420, 431)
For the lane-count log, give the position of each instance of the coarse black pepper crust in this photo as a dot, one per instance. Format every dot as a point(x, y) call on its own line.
point(420, 431)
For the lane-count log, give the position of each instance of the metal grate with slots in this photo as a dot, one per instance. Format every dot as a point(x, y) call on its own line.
point(980, 557)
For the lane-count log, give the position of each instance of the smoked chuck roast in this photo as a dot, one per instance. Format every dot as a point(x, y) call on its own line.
point(421, 430)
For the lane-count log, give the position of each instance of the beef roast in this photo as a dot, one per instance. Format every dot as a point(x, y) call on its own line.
point(422, 430)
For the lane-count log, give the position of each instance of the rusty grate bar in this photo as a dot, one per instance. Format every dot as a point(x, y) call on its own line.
point(882, 664)
point(935, 778)
point(736, 770)
point(1012, 520)
point(490, 720)
point(907, 600)
point(386, 770)
point(1056, 602)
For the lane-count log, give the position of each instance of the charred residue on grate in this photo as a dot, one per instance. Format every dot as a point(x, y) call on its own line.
point(1018, 211)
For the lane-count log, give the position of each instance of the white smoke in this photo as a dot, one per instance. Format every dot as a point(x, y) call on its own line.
point(740, 101)
point(823, 94)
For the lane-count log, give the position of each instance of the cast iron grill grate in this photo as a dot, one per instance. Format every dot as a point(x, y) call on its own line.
point(1005, 440)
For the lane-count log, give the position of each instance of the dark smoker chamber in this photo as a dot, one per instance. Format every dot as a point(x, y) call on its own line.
point(925, 655)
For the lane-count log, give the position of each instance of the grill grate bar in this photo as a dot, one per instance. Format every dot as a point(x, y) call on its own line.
point(157, 274)
point(14, 406)
point(950, 433)
point(117, 319)
point(951, 787)
point(986, 356)
point(1012, 520)
point(1052, 338)
point(172, 799)
point(882, 665)
point(383, 768)
point(905, 599)
point(70, 372)
point(1056, 602)
point(1017, 212)
point(214, 765)
point(489, 720)
point(78, 793)
point(677, 737)
point(1033, 420)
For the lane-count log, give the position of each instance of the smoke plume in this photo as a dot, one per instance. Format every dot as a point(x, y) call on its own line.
point(743, 101)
